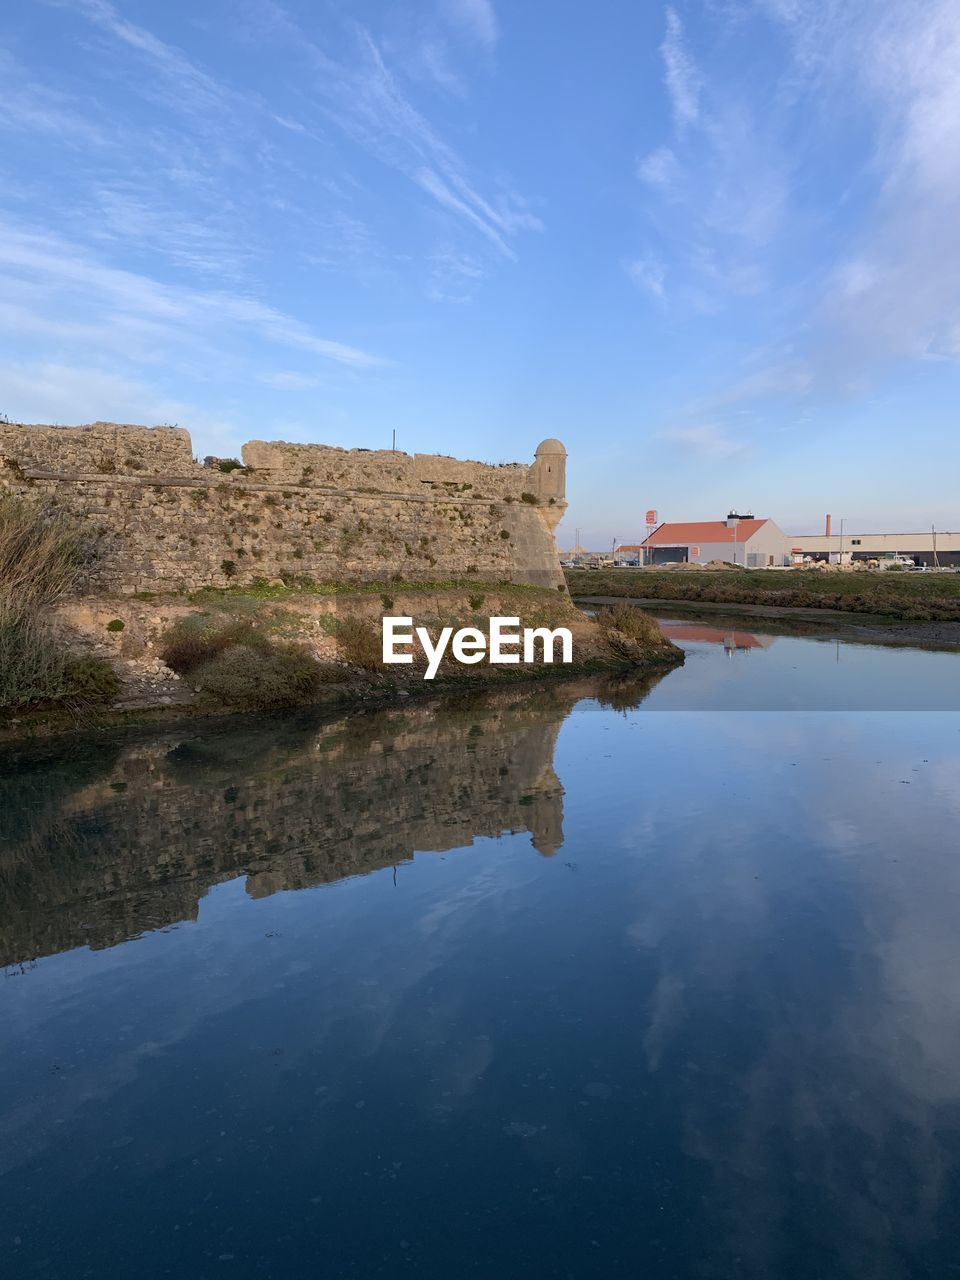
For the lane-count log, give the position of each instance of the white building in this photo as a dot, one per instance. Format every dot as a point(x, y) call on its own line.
point(738, 539)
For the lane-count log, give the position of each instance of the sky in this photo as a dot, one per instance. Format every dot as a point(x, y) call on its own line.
point(713, 246)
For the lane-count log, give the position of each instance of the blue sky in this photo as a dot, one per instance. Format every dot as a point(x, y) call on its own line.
point(713, 246)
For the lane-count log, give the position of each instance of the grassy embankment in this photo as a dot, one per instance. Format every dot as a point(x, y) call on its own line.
point(270, 646)
point(913, 597)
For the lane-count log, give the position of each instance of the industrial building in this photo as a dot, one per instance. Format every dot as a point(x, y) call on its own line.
point(932, 548)
point(739, 539)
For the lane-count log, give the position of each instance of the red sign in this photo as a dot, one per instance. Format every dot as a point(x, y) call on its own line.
point(694, 551)
point(651, 517)
point(796, 551)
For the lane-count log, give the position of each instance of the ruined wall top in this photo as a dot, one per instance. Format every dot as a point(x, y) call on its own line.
point(123, 449)
point(105, 447)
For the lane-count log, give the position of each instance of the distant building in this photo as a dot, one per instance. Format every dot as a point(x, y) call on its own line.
point(738, 540)
point(929, 548)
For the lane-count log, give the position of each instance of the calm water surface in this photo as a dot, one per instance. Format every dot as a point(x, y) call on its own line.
point(606, 979)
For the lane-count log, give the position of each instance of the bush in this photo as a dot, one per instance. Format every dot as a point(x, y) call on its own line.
point(193, 641)
point(359, 643)
point(115, 624)
point(229, 568)
point(530, 498)
point(226, 465)
point(631, 621)
point(632, 634)
point(89, 680)
point(259, 679)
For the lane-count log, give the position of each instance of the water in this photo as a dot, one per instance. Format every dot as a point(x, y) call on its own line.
point(532, 984)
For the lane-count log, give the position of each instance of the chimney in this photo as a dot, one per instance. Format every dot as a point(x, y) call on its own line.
point(828, 527)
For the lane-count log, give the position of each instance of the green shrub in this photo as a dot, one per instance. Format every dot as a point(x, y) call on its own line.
point(229, 568)
point(505, 535)
point(90, 681)
point(476, 602)
point(116, 624)
point(530, 498)
point(387, 601)
point(194, 641)
point(226, 465)
point(258, 679)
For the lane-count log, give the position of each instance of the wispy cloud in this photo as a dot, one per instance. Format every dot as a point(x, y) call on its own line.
point(648, 273)
point(34, 108)
point(368, 103)
point(708, 442)
point(285, 380)
point(476, 19)
point(365, 99)
point(70, 281)
point(175, 78)
point(454, 276)
point(681, 76)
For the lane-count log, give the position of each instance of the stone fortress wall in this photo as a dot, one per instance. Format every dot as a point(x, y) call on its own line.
point(157, 520)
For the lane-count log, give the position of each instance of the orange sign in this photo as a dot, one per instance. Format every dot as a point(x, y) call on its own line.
point(651, 517)
point(694, 551)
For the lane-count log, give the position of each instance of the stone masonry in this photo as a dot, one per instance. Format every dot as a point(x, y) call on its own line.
point(157, 520)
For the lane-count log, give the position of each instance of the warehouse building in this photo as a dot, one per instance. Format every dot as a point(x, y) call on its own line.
point(739, 539)
point(930, 548)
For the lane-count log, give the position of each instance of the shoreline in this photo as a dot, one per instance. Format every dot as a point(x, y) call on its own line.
point(346, 699)
point(863, 628)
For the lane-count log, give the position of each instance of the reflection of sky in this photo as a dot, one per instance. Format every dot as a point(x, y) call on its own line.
point(803, 674)
point(718, 1034)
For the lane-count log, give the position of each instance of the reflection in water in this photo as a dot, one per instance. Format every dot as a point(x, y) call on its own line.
point(733, 641)
point(100, 845)
point(713, 1034)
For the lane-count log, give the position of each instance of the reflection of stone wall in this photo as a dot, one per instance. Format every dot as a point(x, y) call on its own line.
point(137, 846)
point(159, 521)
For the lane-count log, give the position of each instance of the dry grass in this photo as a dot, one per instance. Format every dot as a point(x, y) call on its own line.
point(40, 556)
point(633, 635)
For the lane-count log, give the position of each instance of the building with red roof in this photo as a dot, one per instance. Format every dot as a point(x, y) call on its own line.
point(739, 539)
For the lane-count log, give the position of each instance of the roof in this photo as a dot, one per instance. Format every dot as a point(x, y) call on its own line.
point(685, 535)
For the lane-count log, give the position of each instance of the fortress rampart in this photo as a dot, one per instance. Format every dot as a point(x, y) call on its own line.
point(157, 520)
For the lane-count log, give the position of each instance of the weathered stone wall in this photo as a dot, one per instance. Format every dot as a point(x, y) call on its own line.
point(104, 448)
point(159, 521)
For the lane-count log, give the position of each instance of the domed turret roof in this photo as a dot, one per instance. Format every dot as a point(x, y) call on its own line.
point(550, 446)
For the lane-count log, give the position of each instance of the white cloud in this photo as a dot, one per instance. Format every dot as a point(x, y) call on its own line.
point(75, 287)
point(708, 442)
point(680, 74)
point(366, 101)
point(896, 292)
point(181, 85)
point(660, 169)
point(454, 276)
point(476, 19)
point(648, 273)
